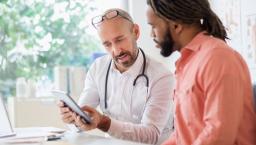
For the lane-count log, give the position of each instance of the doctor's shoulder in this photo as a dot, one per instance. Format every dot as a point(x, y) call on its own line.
point(157, 69)
point(158, 72)
point(100, 63)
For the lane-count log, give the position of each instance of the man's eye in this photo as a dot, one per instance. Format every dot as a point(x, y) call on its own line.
point(107, 44)
point(119, 40)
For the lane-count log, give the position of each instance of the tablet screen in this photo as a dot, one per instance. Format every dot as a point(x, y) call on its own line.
point(63, 96)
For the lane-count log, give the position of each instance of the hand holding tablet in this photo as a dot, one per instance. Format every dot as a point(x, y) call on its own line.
point(72, 105)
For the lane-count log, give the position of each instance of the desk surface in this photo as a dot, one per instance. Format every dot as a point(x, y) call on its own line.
point(81, 139)
point(87, 139)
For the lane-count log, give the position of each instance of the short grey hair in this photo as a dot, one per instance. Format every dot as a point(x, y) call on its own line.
point(122, 12)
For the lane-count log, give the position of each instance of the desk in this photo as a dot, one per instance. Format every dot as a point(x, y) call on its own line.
point(87, 139)
point(81, 139)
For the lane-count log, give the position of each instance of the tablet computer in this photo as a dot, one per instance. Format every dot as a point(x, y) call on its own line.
point(69, 102)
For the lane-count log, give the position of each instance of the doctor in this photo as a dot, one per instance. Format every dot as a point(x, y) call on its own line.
point(132, 90)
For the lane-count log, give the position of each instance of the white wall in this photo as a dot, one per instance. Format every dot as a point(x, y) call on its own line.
point(239, 17)
point(138, 11)
point(103, 5)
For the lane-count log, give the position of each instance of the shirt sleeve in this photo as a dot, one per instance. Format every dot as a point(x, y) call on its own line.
point(154, 119)
point(90, 95)
point(223, 85)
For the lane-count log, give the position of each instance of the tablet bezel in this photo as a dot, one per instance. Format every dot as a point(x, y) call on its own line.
point(63, 96)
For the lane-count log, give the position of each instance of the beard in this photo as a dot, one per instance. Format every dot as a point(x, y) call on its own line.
point(166, 45)
point(126, 63)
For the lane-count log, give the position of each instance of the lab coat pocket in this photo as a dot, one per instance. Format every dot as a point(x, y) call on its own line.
point(138, 103)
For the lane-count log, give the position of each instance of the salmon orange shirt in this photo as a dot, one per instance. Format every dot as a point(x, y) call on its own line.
point(212, 96)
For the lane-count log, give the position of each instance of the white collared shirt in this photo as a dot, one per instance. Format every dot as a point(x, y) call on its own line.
point(139, 113)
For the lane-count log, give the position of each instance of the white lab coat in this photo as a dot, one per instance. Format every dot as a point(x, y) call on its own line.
point(137, 113)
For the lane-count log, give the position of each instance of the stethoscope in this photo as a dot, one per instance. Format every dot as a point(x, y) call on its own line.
point(135, 80)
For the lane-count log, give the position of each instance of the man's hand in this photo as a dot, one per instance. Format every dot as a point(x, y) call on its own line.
point(98, 120)
point(67, 115)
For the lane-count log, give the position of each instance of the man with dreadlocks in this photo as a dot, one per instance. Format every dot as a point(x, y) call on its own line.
point(213, 91)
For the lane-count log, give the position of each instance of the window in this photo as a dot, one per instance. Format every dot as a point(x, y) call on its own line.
point(36, 35)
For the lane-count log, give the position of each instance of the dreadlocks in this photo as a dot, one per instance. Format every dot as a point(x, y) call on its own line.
point(190, 12)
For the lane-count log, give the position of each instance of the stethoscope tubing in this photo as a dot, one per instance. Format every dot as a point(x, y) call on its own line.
point(134, 82)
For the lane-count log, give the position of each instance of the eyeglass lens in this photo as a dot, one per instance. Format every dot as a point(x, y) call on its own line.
point(109, 15)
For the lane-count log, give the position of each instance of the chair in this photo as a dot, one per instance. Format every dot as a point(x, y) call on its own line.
point(254, 96)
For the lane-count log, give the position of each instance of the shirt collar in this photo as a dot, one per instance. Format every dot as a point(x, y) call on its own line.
point(193, 46)
point(195, 43)
point(134, 69)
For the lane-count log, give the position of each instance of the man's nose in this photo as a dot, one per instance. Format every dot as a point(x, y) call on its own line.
point(152, 34)
point(116, 50)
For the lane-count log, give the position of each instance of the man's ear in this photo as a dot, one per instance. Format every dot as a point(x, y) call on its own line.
point(176, 27)
point(136, 31)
